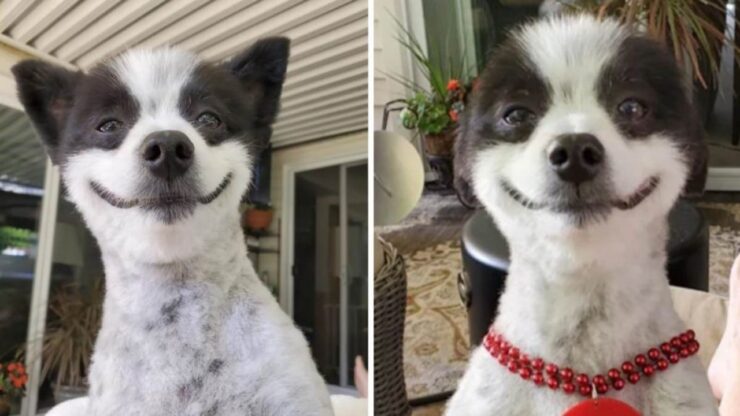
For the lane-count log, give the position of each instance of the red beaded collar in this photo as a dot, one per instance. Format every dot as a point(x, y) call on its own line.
point(660, 358)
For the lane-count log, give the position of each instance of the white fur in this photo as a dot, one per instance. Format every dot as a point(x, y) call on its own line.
point(559, 272)
point(183, 299)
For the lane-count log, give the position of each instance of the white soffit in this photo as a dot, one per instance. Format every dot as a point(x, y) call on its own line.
point(326, 89)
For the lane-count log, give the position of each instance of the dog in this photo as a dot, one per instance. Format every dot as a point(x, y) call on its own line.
point(579, 138)
point(155, 148)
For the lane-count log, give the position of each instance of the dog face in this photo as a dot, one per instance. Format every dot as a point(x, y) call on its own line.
point(155, 146)
point(577, 125)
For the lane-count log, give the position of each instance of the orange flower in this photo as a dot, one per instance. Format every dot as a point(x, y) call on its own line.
point(453, 85)
point(453, 115)
point(11, 367)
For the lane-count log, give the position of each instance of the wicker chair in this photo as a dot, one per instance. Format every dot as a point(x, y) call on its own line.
point(390, 313)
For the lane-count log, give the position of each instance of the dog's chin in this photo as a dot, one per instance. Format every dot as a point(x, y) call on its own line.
point(580, 211)
point(168, 207)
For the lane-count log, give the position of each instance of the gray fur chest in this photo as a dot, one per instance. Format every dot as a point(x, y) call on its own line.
point(182, 357)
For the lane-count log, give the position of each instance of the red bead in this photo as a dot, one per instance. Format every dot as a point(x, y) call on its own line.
point(648, 370)
point(513, 366)
point(666, 348)
point(524, 360)
point(684, 338)
point(585, 390)
point(634, 378)
point(552, 383)
point(505, 345)
point(514, 353)
point(662, 364)
point(503, 359)
point(691, 334)
point(582, 379)
point(566, 374)
point(525, 373)
point(654, 354)
point(569, 388)
point(602, 388)
point(599, 379)
point(693, 347)
point(627, 367)
point(538, 364)
point(684, 352)
point(618, 384)
point(676, 342)
point(538, 379)
point(497, 338)
point(673, 358)
point(551, 369)
point(640, 360)
point(613, 374)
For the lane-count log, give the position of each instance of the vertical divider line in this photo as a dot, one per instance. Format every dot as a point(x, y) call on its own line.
point(343, 280)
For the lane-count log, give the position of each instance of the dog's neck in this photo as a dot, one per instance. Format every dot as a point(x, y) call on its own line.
point(569, 297)
point(138, 290)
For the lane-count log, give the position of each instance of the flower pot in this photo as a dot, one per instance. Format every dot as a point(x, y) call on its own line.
point(441, 144)
point(4, 406)
point(257, 220)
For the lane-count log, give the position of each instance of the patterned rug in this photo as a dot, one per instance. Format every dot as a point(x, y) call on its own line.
point(436, 335)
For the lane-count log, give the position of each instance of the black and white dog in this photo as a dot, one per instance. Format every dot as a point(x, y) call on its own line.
point(579, 139)
point(155, 149)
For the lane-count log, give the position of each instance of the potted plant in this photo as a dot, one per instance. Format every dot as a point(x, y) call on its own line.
point(74, 322)
point(435, 116)
point(434, 111)
point(257, 218)
point(13, 379)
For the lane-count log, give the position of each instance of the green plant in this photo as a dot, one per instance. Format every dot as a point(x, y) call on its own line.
point(694, 29)
point(74, 322)
point(433, 111)
point(15, 237)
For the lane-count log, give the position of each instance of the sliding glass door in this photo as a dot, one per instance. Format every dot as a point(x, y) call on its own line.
point(330, 266)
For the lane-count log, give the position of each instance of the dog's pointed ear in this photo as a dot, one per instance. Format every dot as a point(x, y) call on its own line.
point(463, 181)
point(47, 94)
point(261, 70)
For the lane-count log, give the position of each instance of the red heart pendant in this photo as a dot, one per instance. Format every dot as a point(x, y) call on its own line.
point(603, 406)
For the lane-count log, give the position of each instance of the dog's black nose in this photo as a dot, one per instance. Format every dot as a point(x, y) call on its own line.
point(168, 154)
point(576, 158)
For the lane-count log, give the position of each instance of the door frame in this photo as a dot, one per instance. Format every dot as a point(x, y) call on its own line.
point(287, 240)
point(287, 215)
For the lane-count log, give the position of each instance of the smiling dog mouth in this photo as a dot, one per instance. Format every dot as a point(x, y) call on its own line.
point(623, 204)
point(163, 200)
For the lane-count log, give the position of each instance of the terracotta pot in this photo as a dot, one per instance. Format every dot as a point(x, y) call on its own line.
point(440, 145)
point(257, 220)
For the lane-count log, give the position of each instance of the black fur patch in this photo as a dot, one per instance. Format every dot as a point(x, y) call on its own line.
point(645, 70)
point(215, 366)
point(509, 80)
point(171, 311)
point(244, 93)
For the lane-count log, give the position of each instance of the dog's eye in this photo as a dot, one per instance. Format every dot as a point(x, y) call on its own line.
point(632, 109)
point(109, 126)
point(208, 119)
point(518, 115)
